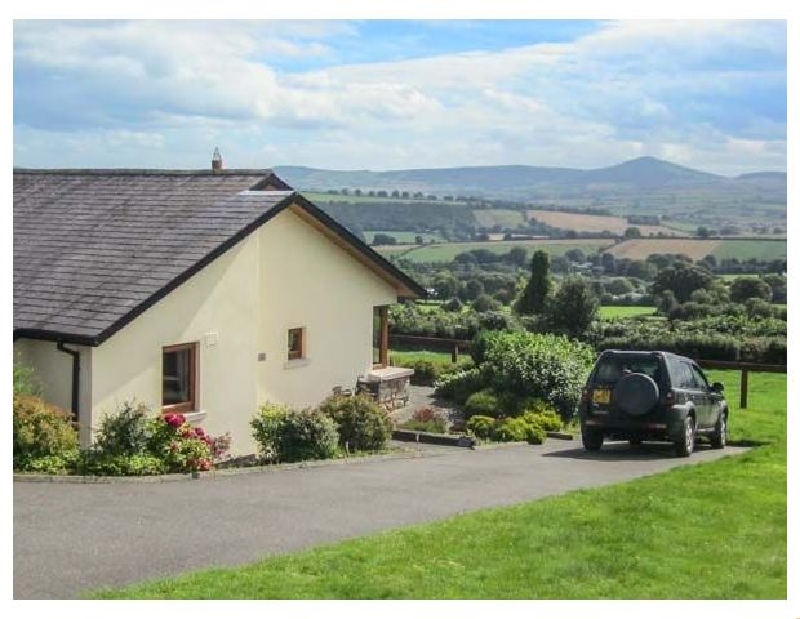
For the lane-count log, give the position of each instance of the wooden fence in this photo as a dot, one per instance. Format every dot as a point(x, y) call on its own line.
point(457, 346)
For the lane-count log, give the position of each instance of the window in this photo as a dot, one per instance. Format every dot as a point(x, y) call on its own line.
point(297, 343)
point(699, 378)
point(380, 336)
point(179, 374)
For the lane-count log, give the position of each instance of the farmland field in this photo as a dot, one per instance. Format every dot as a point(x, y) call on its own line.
point(639, 249)
point(505, 218)
point(447, 251)
point(321, 198)
point(592, 223)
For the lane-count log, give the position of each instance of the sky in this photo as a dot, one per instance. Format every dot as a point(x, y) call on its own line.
point(396, 94)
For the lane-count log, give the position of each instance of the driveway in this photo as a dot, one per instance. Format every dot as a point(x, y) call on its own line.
point(73, 538)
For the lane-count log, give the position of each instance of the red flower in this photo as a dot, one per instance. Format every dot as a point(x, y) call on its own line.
point(199, 432)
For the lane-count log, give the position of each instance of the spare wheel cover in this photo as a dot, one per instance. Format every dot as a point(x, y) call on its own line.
point(635, 394)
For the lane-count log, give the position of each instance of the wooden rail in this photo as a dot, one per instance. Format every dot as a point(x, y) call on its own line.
point(455, 346)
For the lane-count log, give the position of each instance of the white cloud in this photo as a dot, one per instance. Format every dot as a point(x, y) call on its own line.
point(627, 89)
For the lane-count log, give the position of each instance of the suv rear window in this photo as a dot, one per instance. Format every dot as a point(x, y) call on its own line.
point(611, 369)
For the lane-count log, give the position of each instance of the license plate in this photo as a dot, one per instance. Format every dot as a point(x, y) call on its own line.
point(601, 396)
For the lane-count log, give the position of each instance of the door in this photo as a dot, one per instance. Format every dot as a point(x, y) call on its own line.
point(704, 392)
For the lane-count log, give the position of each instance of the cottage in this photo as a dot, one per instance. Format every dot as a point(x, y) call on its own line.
point(206, 292)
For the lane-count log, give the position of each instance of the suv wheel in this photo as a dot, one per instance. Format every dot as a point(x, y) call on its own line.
point(592, 440)
point(720, 436)
point(685, 445)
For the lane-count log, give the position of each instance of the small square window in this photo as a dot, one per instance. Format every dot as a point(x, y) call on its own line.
point(297, 343)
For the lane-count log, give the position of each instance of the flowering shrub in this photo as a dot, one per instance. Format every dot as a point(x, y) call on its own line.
point(45, 439)
point(426, 420)
point(133, 443)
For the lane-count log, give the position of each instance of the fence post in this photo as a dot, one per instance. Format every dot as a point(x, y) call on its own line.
point(743, 398)
point(455, 353)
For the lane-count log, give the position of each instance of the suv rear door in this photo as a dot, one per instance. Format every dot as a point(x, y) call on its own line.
point(708, 417)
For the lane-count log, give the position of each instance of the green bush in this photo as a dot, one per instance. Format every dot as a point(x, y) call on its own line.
point(458, 386)
point(534, 433)
point(481, 426)
point(511, 429)
point(45, 439)
point(125, 433)
point(292, 436)
point(548, 367)
point(96, 462)
point(427, 371)
point(484, 403)
point(25, 382)
point(363, 425)
point(549, 421)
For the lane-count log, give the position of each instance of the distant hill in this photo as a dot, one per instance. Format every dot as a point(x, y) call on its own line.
point(638, 177)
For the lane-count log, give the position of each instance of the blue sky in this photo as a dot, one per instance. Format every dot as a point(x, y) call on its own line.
point(386, 94)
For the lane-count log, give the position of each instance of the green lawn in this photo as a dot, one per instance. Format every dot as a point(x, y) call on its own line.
point(626, 312)
point(505, 218)
point(445, 252)
point(715, 530)
point(744, 250)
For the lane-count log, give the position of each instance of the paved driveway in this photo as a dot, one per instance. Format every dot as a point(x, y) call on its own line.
point(71, 538)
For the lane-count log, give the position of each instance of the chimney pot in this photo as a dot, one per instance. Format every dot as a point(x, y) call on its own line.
point(216, 160)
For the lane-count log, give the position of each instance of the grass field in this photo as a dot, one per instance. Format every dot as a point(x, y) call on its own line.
point(445, 252)
point(505, 218)
point(744, 250)
point(626, 312)
point(715, 530)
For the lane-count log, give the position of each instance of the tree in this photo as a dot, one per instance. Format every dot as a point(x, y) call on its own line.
point(574, 307)
point(608, 262)
point(744, 288)
point(517, 256)
point(537, 292)
point(484, 303)
point(383, 239)
point(576, 255)
point(778, 285)
point(668, 303)
point(633, 233)
point(418, 239)
point(446, 286)
point(702, 232)
point(472, 290)
point(682, 280)
point(619, 285)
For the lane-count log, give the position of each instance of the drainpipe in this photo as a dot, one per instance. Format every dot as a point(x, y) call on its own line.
point(76, 378)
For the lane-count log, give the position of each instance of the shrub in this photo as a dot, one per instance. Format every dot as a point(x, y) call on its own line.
point(362, 424)
point(292, 436)
point(481, 426)
point(535, 434)
point(484, 403)
point(45, 439)
point(427, 372)
point(512, 429)
point(459, 386)
point(548, 367)
point(426, 420)
point(126, 433)
point(25, 382)
point(548, 421)
point(96, 462)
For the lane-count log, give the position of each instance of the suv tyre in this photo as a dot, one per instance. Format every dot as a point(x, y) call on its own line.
point(720, 437)
point(592, 439)
point(685, 445)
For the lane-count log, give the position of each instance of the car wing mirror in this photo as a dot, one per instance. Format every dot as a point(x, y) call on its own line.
point(719, 387)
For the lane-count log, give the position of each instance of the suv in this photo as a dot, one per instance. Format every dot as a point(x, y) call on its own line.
point(637, 395)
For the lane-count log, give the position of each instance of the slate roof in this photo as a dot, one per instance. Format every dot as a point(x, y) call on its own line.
point(95, 248)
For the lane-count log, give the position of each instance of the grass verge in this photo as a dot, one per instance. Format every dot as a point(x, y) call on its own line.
point(715, 530)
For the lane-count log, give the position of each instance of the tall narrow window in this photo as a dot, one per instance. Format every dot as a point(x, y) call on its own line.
point(297, 344)
point(179, 373)
point(380, 336)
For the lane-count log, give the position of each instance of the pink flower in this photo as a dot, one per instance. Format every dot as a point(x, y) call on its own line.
point(199, 431)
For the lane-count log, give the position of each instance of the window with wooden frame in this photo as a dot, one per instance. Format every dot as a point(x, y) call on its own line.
point(297, 343)
point(380, 336)
point(179, 376)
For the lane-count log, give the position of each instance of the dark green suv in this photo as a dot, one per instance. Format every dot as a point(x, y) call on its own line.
point(643, 395)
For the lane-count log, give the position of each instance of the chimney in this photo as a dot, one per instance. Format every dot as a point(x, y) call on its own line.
point(216, 161)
